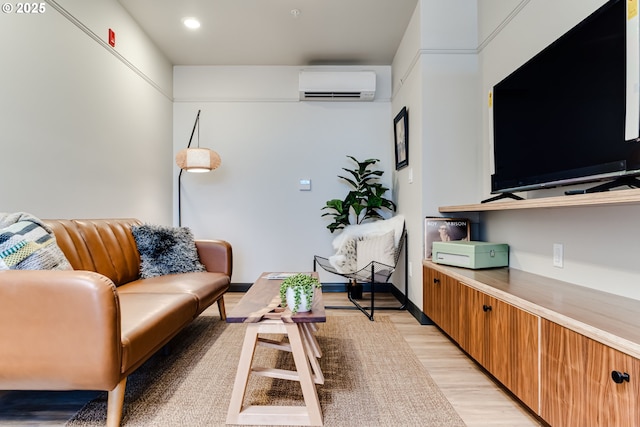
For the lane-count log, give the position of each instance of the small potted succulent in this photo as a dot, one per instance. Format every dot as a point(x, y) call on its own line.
point(296, 292)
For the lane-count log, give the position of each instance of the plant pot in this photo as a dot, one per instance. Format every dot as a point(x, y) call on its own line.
point(291, 302)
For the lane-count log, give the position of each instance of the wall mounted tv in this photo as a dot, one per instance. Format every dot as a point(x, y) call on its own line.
point(561, 118)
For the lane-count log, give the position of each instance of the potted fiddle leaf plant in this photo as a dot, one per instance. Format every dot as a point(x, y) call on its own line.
point(364, 201)
point(296, 292)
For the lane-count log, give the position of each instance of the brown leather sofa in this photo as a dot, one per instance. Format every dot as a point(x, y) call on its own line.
point(89, 328)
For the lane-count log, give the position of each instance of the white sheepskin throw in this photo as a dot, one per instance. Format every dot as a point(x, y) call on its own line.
point(370, 229)
point(345, 258)
point(344, 261)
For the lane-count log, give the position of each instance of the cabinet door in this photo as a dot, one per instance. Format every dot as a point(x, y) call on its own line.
point(473, 324)
point(499, 357)
point(441, 301)
point(431, 295)
point(576, 384)
point(490, 334)
point(451, 307)
point(524, 357)
point(503, 339)
point(513, 357)
point(617, 403)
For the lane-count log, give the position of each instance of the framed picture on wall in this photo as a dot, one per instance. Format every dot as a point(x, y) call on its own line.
point(401, 133)
point(440, 229)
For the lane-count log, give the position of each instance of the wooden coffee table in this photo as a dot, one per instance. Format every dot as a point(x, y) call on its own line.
point(259, 309)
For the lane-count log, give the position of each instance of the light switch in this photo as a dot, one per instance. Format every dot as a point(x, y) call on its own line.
point(305, 185)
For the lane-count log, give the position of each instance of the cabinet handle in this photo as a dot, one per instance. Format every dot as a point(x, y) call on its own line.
point(619, 377)
point(486, 308)
point(436, 281)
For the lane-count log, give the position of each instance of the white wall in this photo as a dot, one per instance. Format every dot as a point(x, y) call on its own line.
point(86, 130)
point(601, 244)
point(91, 131)
point(436, 76)
point(268, 141)
point(407, 90)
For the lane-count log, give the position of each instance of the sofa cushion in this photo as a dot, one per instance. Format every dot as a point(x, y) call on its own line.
point(347, 243)
point(149, 321)
point(26, 243)
point(206, 287)
point(105, 246)
point(379, 249)
point(166, 250)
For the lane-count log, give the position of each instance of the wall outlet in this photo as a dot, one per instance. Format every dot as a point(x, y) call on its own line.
point(558, 255)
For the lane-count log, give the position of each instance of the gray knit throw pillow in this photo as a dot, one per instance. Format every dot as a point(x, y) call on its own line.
point(166, 250)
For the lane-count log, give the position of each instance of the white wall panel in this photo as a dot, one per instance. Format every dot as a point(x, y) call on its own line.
point(600, 243)
point(82, 134)
point(268, 142)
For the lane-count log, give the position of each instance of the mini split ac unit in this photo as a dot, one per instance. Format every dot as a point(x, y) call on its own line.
point(337, 85)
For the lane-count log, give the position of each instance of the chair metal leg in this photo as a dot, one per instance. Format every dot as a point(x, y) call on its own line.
point(369, 311)
point(363, 309)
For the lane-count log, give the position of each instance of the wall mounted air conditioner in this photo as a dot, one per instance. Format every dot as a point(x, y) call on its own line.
point(337, 85)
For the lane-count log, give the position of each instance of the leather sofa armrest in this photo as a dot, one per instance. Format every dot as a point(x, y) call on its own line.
point(216, 256)
point(59, 330)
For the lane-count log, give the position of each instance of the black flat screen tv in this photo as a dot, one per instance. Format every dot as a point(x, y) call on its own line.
point(559, 119)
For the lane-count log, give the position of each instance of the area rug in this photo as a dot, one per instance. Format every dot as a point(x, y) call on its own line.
point(372, 378)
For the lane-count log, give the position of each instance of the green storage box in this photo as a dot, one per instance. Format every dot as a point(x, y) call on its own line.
point(471, 254)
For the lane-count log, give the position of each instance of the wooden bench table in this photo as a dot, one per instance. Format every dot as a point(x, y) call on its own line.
point(259, 309)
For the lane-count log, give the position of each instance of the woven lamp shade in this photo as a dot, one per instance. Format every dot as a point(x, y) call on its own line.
point(197, 159)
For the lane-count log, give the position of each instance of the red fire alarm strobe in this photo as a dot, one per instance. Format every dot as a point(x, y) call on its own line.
point(112, 38)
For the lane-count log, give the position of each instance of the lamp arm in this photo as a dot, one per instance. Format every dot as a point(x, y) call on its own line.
point(195, 125)
point(180, 199)
point(193, 131)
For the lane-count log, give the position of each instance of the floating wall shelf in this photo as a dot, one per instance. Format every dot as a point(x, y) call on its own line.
point(607, 198)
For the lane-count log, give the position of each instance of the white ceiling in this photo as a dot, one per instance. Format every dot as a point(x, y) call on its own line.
point(266, 32)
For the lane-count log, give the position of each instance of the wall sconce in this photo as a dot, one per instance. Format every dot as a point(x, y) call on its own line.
point(194, 160)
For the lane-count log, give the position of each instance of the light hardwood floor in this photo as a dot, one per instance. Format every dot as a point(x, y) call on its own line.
point(479, 401)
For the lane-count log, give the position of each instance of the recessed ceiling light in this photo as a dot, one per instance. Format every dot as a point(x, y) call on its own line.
point(191, 23)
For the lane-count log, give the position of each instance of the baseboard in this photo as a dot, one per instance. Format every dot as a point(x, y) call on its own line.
point(239, 287)
point(422, 318)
